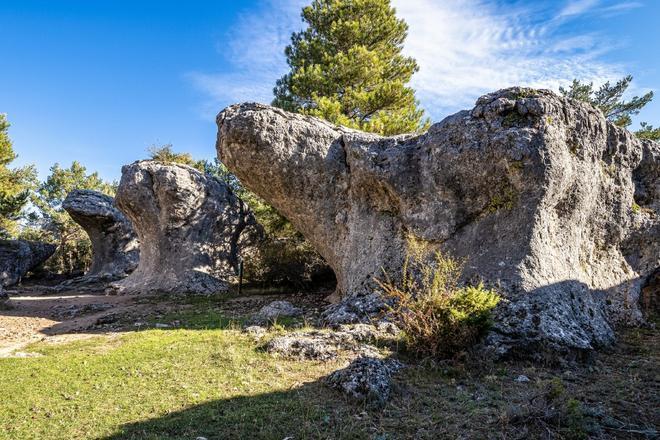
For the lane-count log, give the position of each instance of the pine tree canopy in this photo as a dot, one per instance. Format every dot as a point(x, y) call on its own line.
point(609, 99)
point(14, 183)
point(347, 67)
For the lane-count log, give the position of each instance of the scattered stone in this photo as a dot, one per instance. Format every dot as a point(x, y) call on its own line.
point(161, 325)
point(366, 379)
point(110, 318)
point(546, 200)
point(521, 379)
point(356, 309)
point(192, 228)
point(256, 331)
point(18, 257)
point(115, 248)
point(314, 345)
point(276, 309)
point(325, 345)
point(73, 311)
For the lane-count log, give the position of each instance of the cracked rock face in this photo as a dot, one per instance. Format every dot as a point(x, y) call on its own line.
point(192, 228)
point(115, 248)
point(18, 257)
point(547, 201)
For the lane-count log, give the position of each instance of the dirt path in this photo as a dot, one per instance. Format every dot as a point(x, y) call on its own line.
point(32, 317)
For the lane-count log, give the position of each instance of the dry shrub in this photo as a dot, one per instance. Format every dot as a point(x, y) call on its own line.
point(438, 316)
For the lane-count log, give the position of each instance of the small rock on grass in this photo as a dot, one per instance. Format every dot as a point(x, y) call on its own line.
point(274, 310)
point(255, 331)
point(366, 379)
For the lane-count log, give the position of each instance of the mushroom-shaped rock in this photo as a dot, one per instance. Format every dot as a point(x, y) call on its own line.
point(192, 228)
point(536, 191)
point(18, 257)
point(115, 248)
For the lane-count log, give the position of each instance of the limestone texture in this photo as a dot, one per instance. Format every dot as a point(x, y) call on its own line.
point(545, 199)
point(192, 229)
point(115, 248)
point(366, 379)
point(18, 257)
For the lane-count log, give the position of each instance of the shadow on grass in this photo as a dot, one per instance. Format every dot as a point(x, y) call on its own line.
point(311, 411)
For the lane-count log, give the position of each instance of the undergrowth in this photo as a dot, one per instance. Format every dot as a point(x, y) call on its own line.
point(438, 316)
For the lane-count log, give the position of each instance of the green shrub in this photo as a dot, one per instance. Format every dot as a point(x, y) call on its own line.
point(438, 316)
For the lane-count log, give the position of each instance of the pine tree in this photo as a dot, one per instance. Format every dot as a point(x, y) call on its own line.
point(14, 183)
point(347, 67)
point(609, 99)
point(647, 131)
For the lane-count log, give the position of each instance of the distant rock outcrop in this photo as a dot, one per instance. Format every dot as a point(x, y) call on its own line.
point(550, 203)
point(115, 248)
point(18, 257)
point(192, 228)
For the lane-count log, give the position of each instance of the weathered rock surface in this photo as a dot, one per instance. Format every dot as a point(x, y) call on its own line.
point(549, 202)
point(366, 379)
point(192, 228)
point(115, 248)
point(274, 310)
point(352, 340)
point(18, 257)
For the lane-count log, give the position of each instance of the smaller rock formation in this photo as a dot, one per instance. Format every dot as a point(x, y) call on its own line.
point(366, 379)
point(114, 243)
point(18, 257)
point(193, 230)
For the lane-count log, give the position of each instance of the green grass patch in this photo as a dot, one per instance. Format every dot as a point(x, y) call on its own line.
point(166, 381)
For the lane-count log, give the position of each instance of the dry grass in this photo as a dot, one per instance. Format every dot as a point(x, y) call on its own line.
point(439, 318)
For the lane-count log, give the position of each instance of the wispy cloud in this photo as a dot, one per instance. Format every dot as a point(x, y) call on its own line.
point(464, 48)
point(577, 7)
point(254, 53)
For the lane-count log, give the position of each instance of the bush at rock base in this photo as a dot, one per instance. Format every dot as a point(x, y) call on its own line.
point(438, 317)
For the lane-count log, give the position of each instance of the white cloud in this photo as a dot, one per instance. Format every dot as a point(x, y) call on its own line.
point(254, 49)
point(468, 47)
point(577, 7)
point(464, 48)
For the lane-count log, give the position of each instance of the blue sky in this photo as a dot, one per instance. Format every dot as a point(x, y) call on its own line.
point(100, 81)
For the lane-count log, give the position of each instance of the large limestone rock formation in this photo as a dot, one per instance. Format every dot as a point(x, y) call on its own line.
point(192, 228)
point(114, 243)
point(549, 202)
point(18, 257)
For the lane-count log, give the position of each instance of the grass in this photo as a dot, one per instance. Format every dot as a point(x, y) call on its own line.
point(208, 379)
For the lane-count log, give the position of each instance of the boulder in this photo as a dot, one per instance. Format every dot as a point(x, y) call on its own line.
point(545, 199)
point(274, 310)
point(18, 257)
point(115, 248)
point(192, 228)
point(366, 380)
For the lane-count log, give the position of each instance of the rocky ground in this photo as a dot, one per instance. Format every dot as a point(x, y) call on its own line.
point(613, 394)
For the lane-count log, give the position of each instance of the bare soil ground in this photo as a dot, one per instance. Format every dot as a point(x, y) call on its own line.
point(32, 314)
